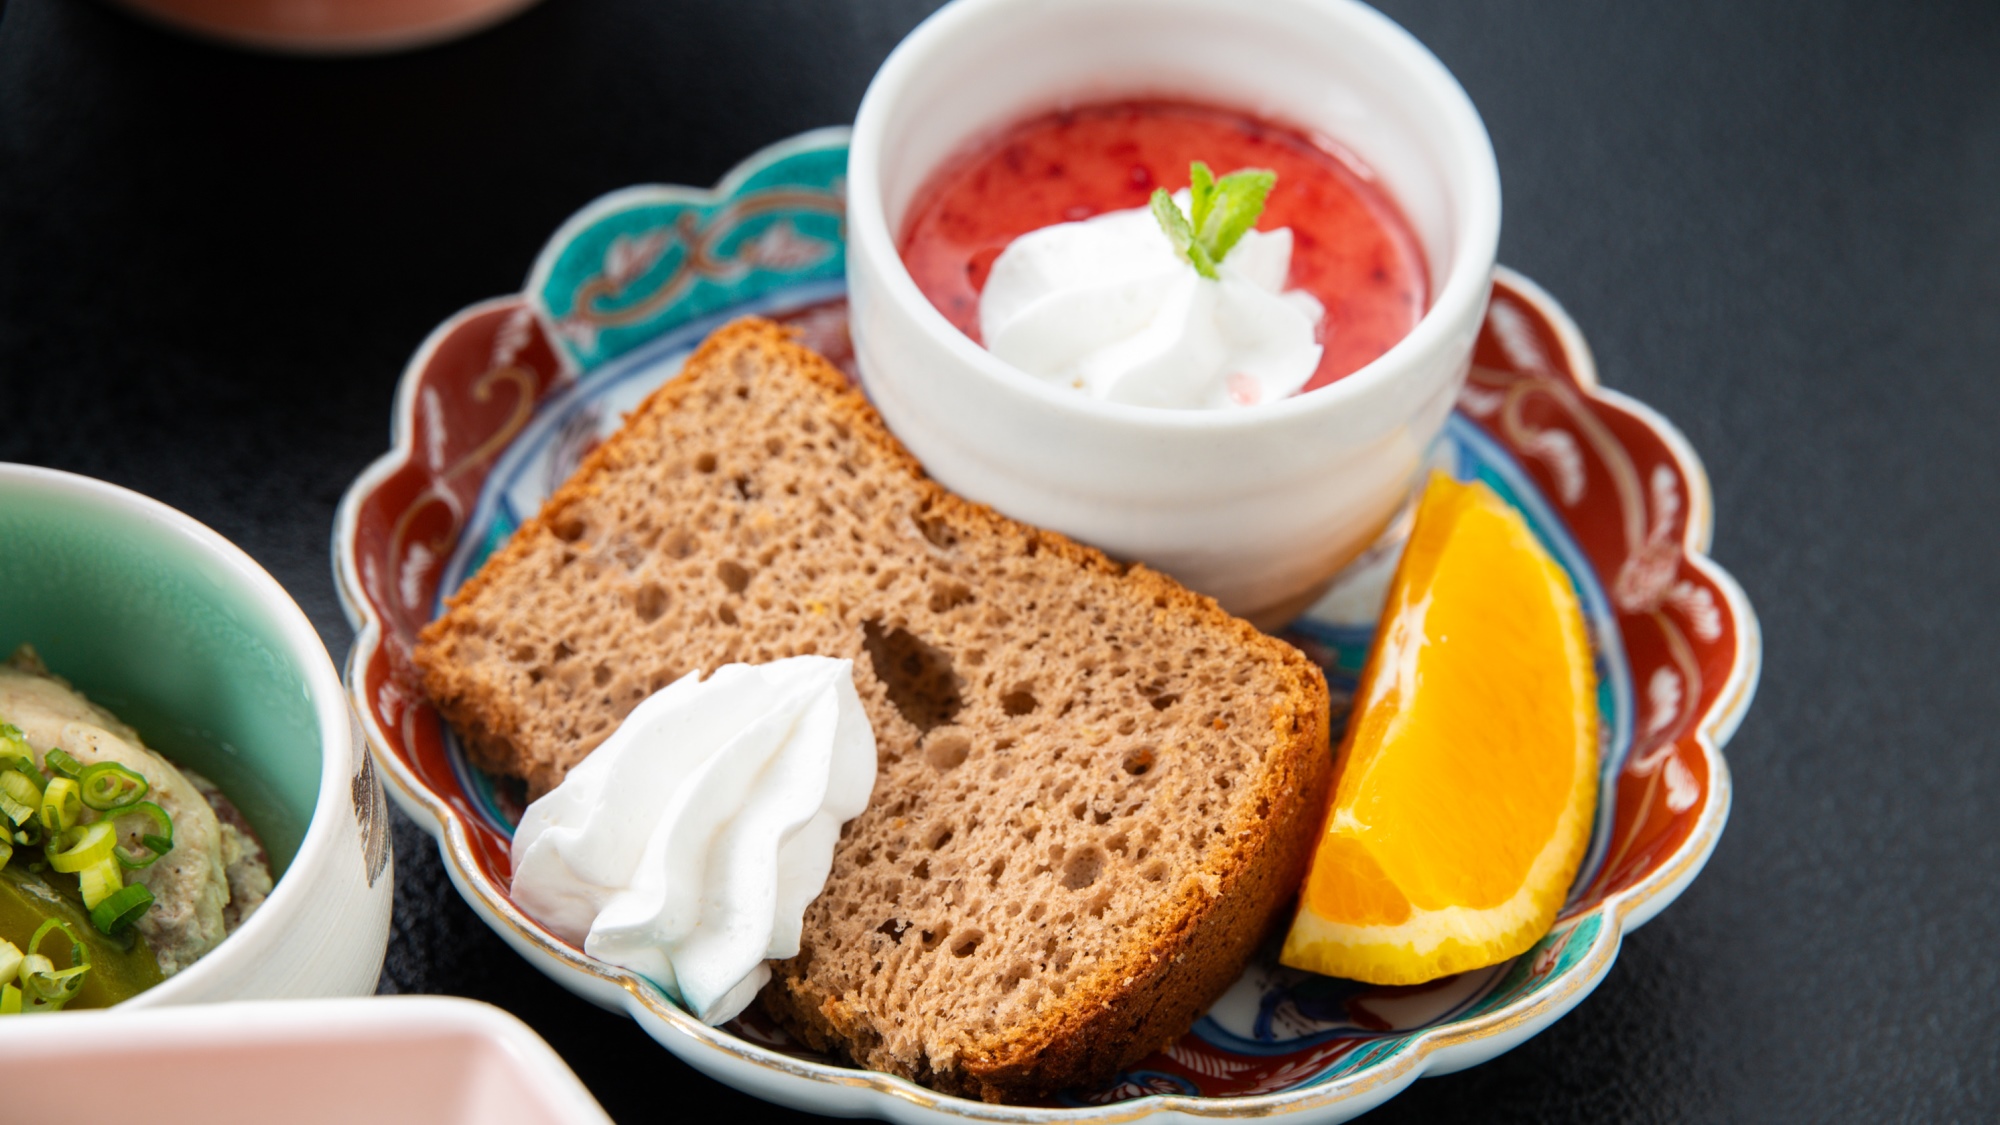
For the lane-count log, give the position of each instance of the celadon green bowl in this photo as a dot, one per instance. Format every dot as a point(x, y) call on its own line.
point(182, 635)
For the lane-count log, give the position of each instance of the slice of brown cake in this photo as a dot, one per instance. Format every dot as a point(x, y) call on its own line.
point(1097, 789)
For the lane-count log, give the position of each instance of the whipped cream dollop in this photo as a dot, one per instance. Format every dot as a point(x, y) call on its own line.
point(687, 846)
point(1107, 306)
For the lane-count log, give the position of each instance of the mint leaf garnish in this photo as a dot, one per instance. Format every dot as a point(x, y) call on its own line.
point(1181, 234)
point(1239, 199)
point(1220, 212)
point(1201, 192)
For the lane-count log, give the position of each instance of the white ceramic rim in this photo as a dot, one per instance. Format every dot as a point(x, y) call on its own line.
point(1458, 300)
point(331, 810)
point(833, 1089)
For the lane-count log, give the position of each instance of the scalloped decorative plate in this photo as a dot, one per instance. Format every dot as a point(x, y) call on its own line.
point(504, 399)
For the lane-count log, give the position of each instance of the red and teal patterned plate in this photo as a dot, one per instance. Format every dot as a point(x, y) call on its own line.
point(504, 399)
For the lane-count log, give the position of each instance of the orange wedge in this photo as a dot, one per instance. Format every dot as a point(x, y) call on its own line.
point(1467, 780)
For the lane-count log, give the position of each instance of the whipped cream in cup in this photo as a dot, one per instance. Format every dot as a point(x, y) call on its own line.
point(1106, 306)
point(687, 846)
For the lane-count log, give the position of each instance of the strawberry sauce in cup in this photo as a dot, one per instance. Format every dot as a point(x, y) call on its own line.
point(1352, 247)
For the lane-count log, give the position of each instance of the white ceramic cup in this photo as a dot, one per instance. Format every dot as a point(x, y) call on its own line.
point(178, 632)
point(1257, 506)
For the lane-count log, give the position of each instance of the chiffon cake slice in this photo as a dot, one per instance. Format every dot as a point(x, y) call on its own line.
point(1096, 792)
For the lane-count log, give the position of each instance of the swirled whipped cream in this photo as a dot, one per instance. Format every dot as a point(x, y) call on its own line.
point(687, 846)
point(1107, 306)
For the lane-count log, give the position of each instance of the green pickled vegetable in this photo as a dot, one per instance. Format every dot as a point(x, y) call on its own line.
point(120, 967)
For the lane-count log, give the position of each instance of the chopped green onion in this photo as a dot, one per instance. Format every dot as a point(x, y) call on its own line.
point(58, 761)
point(10, 960)
point(15, 753)
point(52, 986)
point(122, 909)
point(61, 806)
point(26, 764)
point(51, 925)
point(29, 834)
point(47, 987)
point(10, 1001)
point(81, 846)
point(6, 849)
point(19, 796)
point(108, 785)
point(158, 843)
point(99, 881)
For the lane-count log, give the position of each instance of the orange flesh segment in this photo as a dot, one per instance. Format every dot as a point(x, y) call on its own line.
point(1468, 774)
point(1346, 882)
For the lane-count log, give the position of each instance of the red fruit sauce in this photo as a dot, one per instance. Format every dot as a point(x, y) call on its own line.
point(1351, 246)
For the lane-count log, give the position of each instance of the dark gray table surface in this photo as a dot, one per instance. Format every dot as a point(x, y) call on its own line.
point(1778, 223)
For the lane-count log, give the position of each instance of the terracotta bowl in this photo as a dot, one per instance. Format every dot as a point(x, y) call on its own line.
point(329, 27)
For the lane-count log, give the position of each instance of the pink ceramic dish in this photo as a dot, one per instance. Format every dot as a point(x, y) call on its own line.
point(427, 1059)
